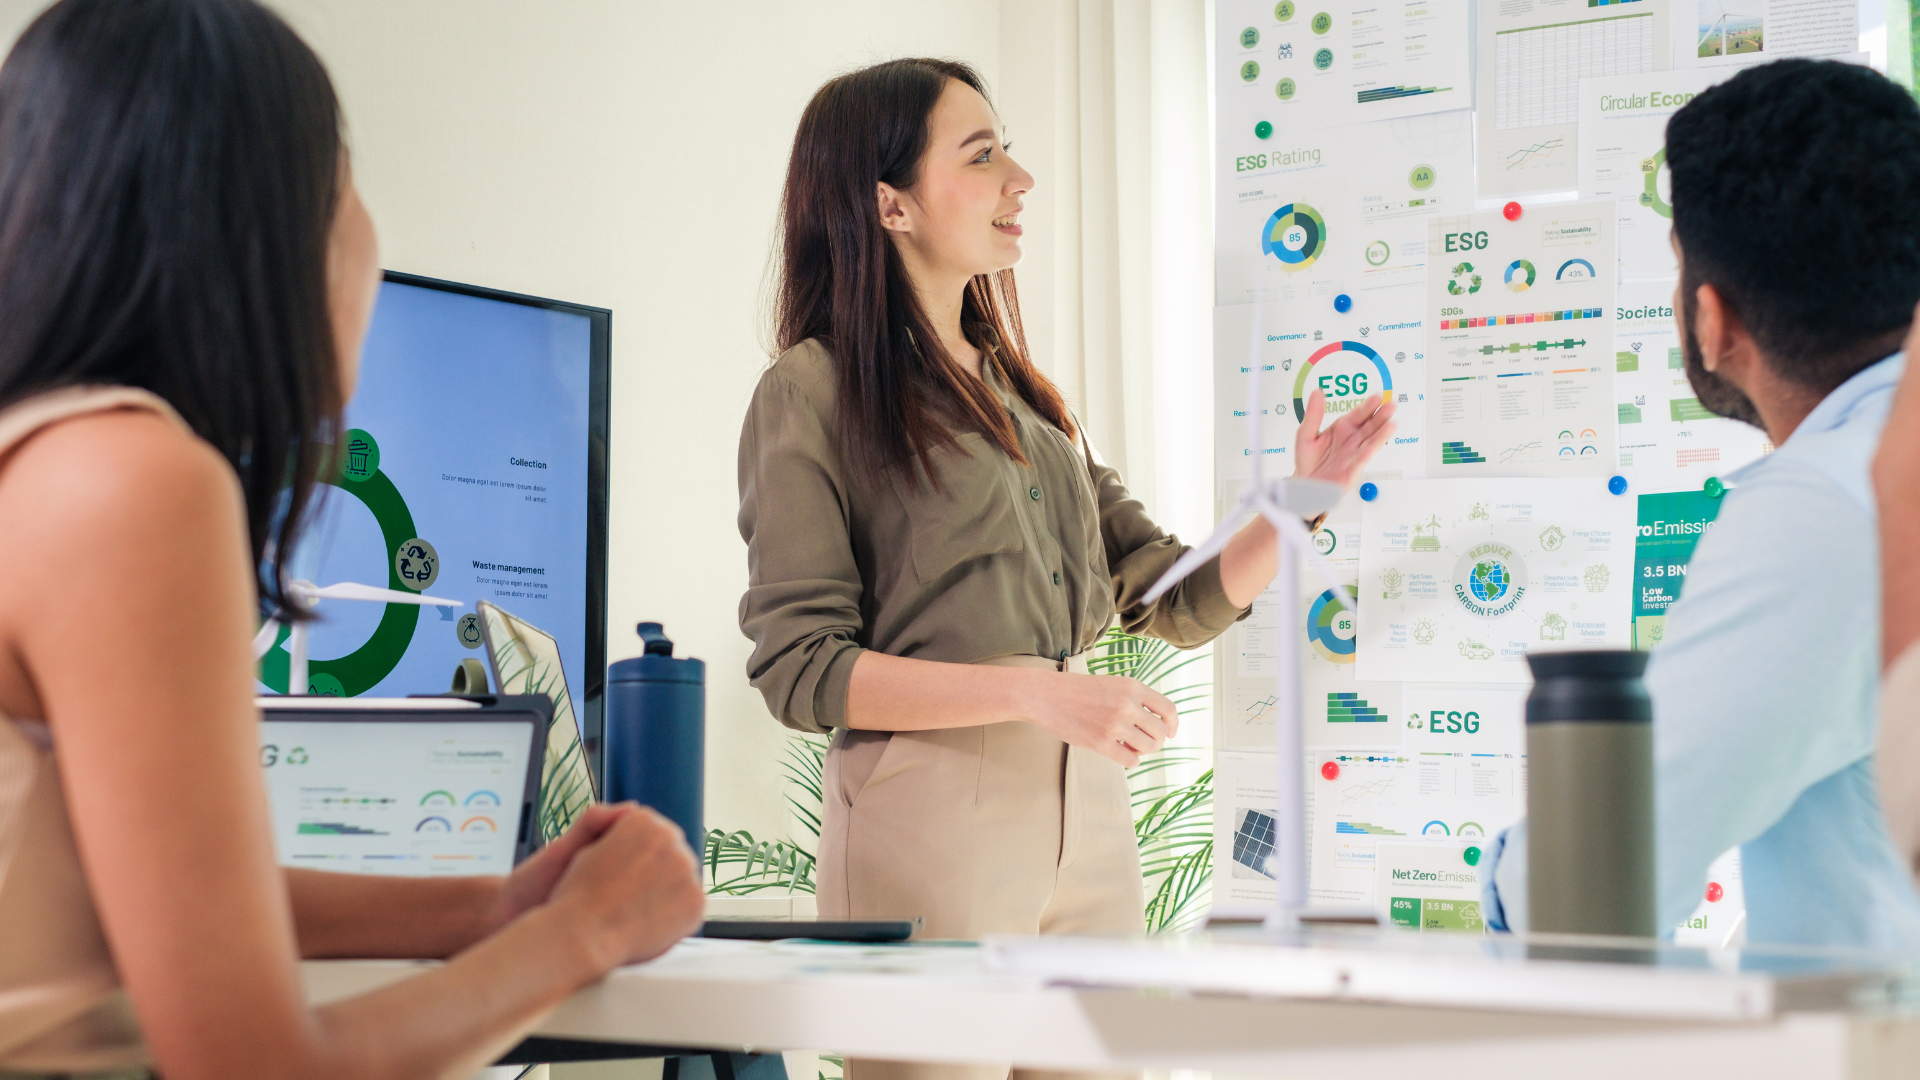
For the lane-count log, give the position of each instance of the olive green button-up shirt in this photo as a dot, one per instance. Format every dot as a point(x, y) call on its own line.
point(1001, 559)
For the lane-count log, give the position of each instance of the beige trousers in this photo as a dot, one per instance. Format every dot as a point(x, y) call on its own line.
point(998, 829)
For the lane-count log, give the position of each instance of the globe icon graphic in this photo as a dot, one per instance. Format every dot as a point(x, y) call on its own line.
point(1490, 581)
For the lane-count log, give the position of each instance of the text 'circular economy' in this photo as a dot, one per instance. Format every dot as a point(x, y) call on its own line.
point(1348, 385)
point(1296, 235)
point(1330, 629)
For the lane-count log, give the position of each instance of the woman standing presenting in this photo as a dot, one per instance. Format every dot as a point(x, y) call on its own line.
point(933, 546)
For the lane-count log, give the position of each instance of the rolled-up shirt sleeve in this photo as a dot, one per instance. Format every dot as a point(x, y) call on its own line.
point(802, 604)
point(1193, 612)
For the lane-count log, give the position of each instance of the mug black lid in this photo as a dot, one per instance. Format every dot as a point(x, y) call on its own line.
point(1587, 664)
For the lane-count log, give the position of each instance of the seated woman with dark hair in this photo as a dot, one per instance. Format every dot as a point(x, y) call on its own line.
point(186, 273)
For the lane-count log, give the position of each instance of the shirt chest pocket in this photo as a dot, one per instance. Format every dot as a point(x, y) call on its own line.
point(973, 514)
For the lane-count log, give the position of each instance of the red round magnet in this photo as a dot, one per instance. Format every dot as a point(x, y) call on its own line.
point(1512, 211)
point(1331, 770)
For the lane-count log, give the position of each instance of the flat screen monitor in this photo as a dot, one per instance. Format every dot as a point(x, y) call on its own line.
point(474, 467)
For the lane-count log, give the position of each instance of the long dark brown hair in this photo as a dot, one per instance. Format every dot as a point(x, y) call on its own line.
point(842, 281)
point(169, 172)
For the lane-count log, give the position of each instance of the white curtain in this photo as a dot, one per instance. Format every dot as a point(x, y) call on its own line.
point(1106, 104)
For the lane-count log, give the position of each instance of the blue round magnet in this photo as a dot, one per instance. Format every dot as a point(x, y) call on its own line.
point(1617, 485)
point(1342, 303)
point(1368, 492)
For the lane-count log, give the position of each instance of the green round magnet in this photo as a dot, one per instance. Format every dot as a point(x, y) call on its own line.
point(1262, 130)
point(1714, 488)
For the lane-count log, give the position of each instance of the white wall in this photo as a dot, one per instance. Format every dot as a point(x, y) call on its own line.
point(629, 155)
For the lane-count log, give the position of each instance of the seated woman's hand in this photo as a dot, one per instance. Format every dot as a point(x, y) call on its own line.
point(532, 881)
point(632, 890)
point(1339, 454)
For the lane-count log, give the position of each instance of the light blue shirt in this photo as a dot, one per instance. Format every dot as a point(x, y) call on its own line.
point(1764, 694)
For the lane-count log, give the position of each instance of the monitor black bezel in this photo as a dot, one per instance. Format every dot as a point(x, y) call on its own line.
point(592, 697)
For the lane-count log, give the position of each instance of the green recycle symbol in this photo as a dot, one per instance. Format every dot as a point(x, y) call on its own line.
point(1463, 271)
point(358, 671)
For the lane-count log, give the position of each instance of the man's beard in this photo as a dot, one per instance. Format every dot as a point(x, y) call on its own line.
point(1717, 395)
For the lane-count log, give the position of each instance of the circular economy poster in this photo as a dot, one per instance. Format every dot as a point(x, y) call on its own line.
point(1296, 234)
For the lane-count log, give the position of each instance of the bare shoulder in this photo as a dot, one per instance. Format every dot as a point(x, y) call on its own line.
point(125, 475)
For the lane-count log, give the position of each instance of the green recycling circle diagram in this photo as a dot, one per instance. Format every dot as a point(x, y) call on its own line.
point(359, 671)
point(1650, 198)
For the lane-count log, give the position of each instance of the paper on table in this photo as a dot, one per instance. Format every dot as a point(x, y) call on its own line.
point(1299, 65)
point(1310, 214)
point(1520, 343)
point(1467, 575)
point(1533, 54)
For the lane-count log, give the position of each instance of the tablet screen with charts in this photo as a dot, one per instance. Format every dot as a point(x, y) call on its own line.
point(401, 789)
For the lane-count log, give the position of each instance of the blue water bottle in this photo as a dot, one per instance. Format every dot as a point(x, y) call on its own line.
point(655, 748)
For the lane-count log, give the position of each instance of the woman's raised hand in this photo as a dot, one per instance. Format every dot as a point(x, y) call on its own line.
point(1112, 716)
point(1338, 454)
point(632, 890)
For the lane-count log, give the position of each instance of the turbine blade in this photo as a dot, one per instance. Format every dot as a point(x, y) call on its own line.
point(1307, 497)
point(1190, 562)
point(349, 590)
point(263, 640)
point(1294, 534)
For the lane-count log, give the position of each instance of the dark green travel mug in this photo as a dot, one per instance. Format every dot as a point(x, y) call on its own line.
point(1590, 859)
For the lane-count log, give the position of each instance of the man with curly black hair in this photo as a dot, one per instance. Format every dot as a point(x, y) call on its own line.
point(1796, 217)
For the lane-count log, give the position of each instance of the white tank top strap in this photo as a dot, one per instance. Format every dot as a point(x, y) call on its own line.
point(24, 418)
point(61, 1008)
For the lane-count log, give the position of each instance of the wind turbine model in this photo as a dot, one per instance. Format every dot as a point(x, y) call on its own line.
point(308, 595)
point(1285, 503)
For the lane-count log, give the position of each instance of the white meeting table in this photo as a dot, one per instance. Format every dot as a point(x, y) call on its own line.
point(1355, 1005)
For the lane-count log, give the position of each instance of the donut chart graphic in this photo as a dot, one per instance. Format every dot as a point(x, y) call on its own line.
point(1326, 614)
point(1296, 234)
point(1650, 198)
point(1306, 371)
point(1515, 269)
point(357, 672)
point(1574, 270)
